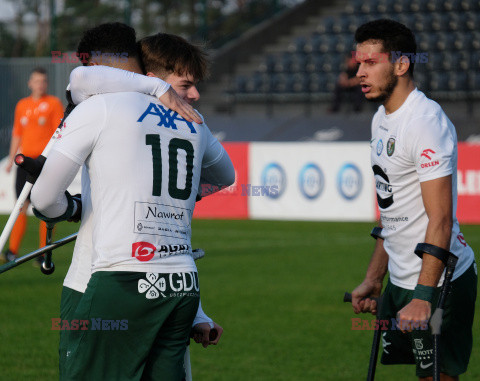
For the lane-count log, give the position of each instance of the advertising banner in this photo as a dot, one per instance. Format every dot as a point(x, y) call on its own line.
point(311, 181)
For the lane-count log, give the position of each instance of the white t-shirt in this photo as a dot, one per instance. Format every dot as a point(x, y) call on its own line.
point(127, 140)
point(416, 143)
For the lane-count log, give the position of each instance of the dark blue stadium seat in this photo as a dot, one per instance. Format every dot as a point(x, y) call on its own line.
point(435, 61)
point(457, 21)
point(421, 22)
point(440, 22)
point(326, 26)
point(439, 81)
point(452, 5)
point(425, 42)
point(240, 84)
point(316, 82)
point(435, 5)
point(418, 6)
point(474, 80)
point(341, 25)
point(457, 81)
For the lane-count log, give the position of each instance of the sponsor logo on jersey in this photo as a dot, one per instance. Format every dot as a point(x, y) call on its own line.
point(274, 175)
point(461, 239)
point(173, 285)
point(143, 251)
point(382, 183)
point(418, 344)
point(379, 147)
point(391, 146)
point(58, 131)
point(166, 118)
point(153, 212)
point(426, 153)
point(430, 164)
point(425, 366)
point(349, 181)
point(311, 181)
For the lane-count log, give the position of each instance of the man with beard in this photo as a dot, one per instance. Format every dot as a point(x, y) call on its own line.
point(414, 160)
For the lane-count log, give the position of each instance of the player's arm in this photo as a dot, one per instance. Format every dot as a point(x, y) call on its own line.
point(217, 167)
point(50, 198)
point(82, 129)
point(86, 81)
point(371, 286)
point(202, 326)
point(437, 199)
point(16, 138)
point(433, 144)
point(14, 146)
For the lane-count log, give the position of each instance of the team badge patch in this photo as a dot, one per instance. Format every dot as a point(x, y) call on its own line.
point(390, 146)
point(152, 286)
point(379, 147)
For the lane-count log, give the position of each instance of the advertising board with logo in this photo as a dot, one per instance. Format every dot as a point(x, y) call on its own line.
point(312, 181)
point(468, 183)
point(231, 202)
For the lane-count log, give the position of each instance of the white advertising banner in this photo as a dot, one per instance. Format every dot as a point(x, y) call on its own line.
point(7, 187)
point(311, 181)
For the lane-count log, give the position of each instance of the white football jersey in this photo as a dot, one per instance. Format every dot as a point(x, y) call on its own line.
point(416, 143)
point(144, 164)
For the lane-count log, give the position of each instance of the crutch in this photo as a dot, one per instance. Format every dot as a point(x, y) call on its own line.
point(372, 364)
point(37, 253)
point(450, 261)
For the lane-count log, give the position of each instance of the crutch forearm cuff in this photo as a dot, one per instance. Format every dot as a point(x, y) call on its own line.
point(436, 251)
point(65, 216)
point(377, 232)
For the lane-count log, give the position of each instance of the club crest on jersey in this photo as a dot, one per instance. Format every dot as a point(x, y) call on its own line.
point(418, 344)
point(390, 146)
point(379, 147)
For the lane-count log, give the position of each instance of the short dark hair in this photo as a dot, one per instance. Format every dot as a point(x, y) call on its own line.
point(39, 70)
point(393, 35)
point(114, 37)
point(164, 54)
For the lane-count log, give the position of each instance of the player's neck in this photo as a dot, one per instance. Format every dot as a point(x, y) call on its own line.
point(130, 65)
point(399, 95)
point(36, 97)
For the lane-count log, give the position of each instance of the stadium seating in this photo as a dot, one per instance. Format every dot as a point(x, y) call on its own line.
point(446, 30)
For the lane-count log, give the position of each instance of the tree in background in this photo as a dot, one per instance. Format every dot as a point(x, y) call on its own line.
point(214, 21)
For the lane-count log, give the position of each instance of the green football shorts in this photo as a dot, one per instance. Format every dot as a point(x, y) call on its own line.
point(68, 304)
point(416, 347)
point(138, 325)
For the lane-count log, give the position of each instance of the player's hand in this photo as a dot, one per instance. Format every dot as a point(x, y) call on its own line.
point(202, 333)
point(174, 102)
point(414, 315)
point(361, 301)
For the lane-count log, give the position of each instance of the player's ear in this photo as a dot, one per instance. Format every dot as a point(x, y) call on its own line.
point(402, 65)
point(150, 74)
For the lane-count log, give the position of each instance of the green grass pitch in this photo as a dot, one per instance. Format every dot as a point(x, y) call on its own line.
point(275, 287)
